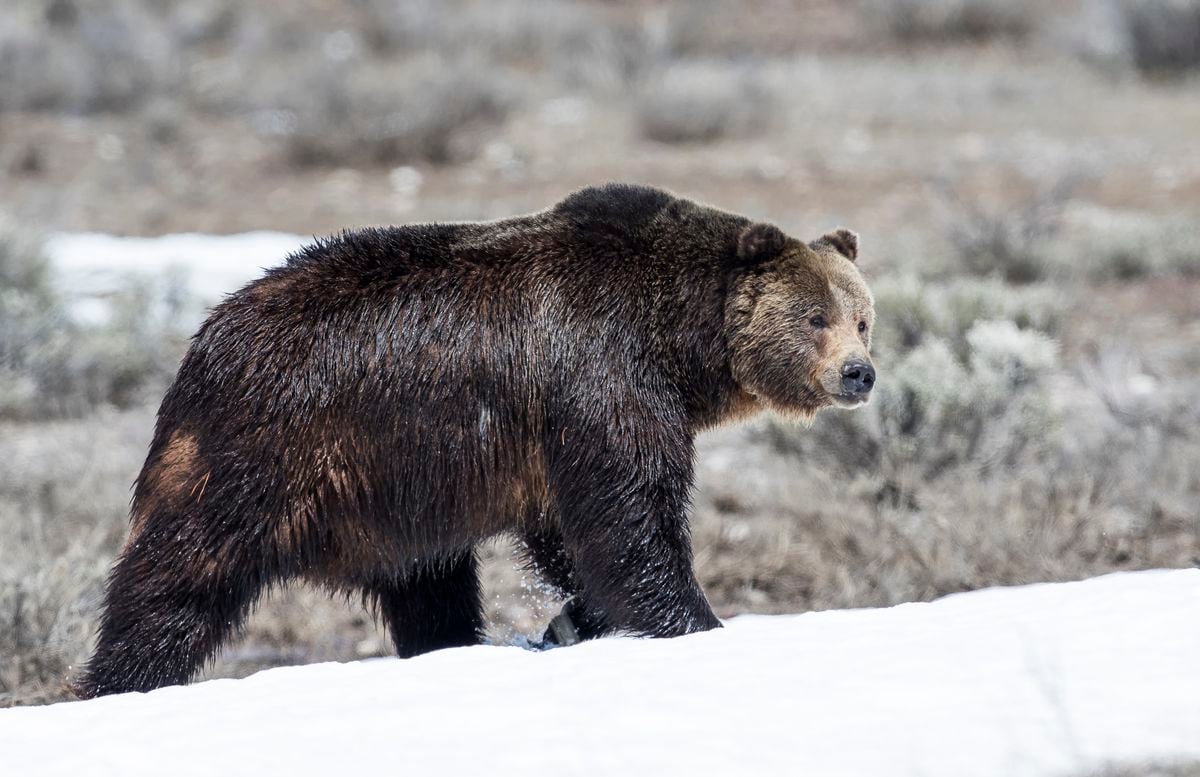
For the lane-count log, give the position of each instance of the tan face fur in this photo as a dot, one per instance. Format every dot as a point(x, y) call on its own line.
point(799, 322)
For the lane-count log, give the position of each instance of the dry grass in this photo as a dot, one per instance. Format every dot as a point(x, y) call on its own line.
point(63, 508)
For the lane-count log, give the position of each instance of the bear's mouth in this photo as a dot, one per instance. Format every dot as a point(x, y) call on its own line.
point(850, 401)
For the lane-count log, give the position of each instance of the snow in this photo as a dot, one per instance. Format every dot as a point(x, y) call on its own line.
point(1049, 679)
point(89, 266)
point(218, 263)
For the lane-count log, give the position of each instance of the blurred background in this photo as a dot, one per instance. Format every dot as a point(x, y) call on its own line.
point(1025, 177)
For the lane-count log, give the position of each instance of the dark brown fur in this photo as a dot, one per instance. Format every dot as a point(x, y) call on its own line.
point(367, 413)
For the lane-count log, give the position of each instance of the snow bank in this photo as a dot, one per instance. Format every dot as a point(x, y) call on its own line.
point(1038, 680)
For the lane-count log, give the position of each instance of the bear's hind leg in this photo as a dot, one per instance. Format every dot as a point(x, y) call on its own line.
point(436, 605)
point(168, 607)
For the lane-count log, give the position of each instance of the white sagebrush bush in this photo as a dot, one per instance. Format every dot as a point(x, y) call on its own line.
point(30, 318)
point(986, 408)
point(1006, 357)
point(911, 309)
point(922, 387)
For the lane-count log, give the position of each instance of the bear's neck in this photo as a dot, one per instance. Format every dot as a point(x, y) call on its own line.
point(700, 353)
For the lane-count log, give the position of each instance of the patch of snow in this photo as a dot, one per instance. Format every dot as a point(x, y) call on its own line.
point(90, 267)
point(1045, 679)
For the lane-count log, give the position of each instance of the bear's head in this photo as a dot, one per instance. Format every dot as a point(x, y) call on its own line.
point(798, 321)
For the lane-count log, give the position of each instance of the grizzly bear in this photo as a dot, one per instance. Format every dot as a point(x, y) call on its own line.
point(364, 415)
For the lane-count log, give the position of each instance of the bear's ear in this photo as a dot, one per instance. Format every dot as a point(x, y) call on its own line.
point(760, 242)
point(843, 241)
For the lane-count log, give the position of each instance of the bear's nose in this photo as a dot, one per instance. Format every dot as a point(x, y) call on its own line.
point(858, 378)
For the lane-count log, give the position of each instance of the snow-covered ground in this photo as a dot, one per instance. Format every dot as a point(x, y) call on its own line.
point(1039, 680)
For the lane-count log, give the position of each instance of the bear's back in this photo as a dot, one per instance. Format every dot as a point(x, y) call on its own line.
point(629, 206)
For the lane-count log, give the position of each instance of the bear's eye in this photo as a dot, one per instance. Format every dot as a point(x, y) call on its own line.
point(818, 322)
point(862, 326)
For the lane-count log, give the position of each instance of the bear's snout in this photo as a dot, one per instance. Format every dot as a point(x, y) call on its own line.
point(858, 378)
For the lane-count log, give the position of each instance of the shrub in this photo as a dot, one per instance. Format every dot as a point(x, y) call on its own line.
point(1011, 241)
point(107, 55)
point(816, 528)
point(951, 20)
point(576, 43)
point(29, 319)
point(51, 365)
point(424, 111)
point(911, 310)
point(702, 102)
point(1164, 35)
point(1105, 245)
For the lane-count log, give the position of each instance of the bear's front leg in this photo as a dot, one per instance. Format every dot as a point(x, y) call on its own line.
point(621, 487)
point(579, 620)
